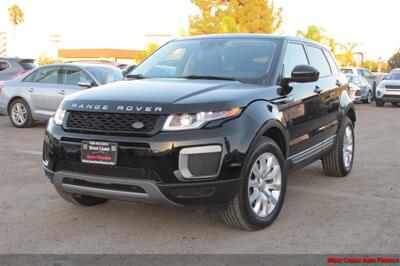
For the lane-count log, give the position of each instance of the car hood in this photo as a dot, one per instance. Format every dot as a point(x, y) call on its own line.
point(166, 96)
point(390, 82)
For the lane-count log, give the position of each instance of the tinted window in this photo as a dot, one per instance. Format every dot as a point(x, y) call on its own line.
point(27, 64)
point(294, 55)
point(105, 74)
point(318, 60)
point(245, 60)
point(4, 65)
point(74, 75)
point(44, 75)
point(332, 62)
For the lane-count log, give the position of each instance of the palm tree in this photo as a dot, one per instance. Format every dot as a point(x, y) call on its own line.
point(16, 16)
point(348, 49)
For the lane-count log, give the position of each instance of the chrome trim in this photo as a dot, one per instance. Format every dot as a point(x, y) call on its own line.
point(184, 173)
point(298, 157)
point(152, 192)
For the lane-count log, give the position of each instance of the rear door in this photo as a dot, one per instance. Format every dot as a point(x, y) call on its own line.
point(328, 89)
point(42, 86)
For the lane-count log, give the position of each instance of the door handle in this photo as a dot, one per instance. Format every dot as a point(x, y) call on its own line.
point(62, 92)
point(318, 89)
point(338, 83)
point(31, 90)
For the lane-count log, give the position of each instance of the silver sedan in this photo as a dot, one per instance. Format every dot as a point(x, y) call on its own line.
point(36, 95)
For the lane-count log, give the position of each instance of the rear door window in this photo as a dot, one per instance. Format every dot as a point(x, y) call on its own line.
point(318, 60)
point(45, 75)
point(331, 62)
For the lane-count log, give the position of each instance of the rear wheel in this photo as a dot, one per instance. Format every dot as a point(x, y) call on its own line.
point(80, 200)
point(20, 114)
point(261, 196)
point(339, 161)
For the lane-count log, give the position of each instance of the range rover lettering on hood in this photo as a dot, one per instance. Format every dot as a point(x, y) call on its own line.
point(106, 107)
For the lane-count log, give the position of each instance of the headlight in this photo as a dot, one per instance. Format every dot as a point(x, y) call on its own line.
point(59, 116)
point(197, 120)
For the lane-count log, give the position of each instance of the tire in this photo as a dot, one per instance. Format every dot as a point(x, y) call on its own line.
point(80, 200)
point(335, 163)
point(379, 103)
point(369, 98)
point(240, 211)
point(19, 108)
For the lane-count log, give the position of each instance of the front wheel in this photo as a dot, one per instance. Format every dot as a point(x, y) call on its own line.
point(369, 98)
point(339, 161)
point(261, 196)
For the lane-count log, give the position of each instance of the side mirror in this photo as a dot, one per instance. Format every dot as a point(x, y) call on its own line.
point(304, 73)
point(85, 84)
point(300, 74)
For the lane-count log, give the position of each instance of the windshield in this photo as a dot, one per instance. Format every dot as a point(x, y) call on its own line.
point(106, 74)
point(394, 76)
point(247, 60)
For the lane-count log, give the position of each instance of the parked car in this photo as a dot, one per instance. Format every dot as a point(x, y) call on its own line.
point(222, 125)
point(356, 71)
point(13, 67)
point(355, 92)
point(388, 90)
point(365, 89)
point(36, 95)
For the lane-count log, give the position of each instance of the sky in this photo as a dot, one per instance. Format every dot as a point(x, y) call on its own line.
point(124, 23)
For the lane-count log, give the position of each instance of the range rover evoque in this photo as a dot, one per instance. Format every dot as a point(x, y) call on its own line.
point(207, 120)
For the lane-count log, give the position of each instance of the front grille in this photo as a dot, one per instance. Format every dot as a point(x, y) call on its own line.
point(204, 164)
point(393, 87)
point(109, 171)
point(111, 122)
point(388, 97)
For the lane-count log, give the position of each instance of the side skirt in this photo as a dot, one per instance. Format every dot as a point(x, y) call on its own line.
point(310, 155)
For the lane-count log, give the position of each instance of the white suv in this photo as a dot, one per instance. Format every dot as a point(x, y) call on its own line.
point(389, 89)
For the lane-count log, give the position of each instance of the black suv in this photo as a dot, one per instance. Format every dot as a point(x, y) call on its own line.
point(218, 119)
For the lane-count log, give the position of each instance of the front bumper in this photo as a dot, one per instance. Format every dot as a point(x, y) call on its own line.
point(148, 167)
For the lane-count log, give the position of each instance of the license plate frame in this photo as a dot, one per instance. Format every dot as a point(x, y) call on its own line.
point(99, 152)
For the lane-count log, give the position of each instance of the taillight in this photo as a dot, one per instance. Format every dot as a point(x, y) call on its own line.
point(22, 72)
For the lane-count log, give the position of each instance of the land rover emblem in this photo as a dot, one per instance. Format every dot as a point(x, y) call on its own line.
point(137, 125)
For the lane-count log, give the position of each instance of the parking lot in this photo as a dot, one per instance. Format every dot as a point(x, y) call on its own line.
point(356, 214)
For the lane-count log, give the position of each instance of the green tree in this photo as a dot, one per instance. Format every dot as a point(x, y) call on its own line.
point(318, 34)
point(44, 59)
point(394, 61)
point(16, 16)
point(151, 47)
point(235, 16)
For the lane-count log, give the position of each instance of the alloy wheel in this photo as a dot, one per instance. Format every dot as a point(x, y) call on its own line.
point(264, 186)
point(19, 113)
point(348, 147)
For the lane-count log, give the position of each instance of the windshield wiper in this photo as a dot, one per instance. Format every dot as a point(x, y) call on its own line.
point(135, 76)
point(209, 77)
